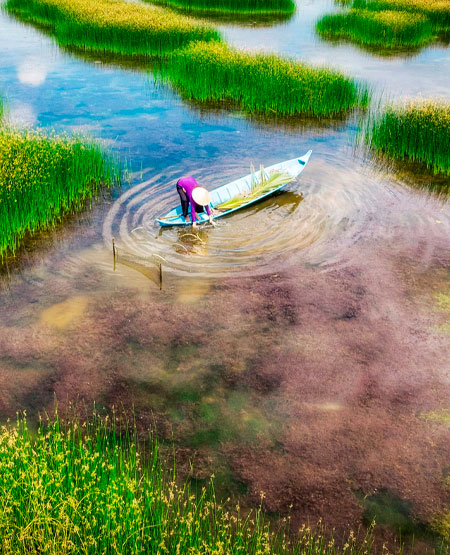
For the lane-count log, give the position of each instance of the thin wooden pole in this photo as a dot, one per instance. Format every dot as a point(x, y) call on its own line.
point(160, 276)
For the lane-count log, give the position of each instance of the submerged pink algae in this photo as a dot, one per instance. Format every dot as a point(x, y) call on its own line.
point(301, 383)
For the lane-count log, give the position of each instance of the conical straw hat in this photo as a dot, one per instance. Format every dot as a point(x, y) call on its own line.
point(201, 196)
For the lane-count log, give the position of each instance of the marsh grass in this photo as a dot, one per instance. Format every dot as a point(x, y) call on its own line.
point(73, 487)
point(386, 28)
point(437, 11)
point(43, 178)
point(250, 7)
point(417, 131)
point(114, 26)
point(259, 83)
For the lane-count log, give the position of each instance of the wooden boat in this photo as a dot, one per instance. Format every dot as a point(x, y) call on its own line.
point(241, 186)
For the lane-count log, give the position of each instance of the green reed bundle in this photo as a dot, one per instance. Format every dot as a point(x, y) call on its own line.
point(260, 83)
point(113, 25)
point(92, 488)
point(44, 178)
point(417, 131)
point(386, 28)
point(268, 7)
point(260, 186)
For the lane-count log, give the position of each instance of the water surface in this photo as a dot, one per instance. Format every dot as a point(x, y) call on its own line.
point(295, 348)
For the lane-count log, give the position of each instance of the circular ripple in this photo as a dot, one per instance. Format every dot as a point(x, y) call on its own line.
point(330, 207)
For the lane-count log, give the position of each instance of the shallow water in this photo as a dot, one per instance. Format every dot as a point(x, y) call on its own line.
point(297, 347)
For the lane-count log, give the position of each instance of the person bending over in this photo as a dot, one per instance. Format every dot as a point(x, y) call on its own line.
point(192, 194)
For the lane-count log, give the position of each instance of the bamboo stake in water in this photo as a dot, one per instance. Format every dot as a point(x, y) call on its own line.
point(160, 276)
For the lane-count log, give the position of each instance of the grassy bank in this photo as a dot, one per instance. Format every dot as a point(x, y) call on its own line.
point(42, 179)
point(231, 6)
point(386, 28)
point(259, 83)
point(418, 131)
point(86, 489)
point(113, 25)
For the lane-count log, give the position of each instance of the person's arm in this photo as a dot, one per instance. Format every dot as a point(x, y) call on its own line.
point(208, 211)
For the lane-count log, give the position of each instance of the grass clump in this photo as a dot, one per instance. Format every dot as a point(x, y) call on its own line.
point(386, 28)
point(257, 7)
point(437, 11)
point(417, 131)
point(113, 25)
point(71, 488)
point(259, 83)
point(44, 178)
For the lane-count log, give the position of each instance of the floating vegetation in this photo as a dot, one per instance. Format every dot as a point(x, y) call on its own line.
point(260, 187)
point(231, 7)
point(113, 25)
point(386, 28)
point(259, 82)
point(417, 131)
point(43, 178)
point(93, 488)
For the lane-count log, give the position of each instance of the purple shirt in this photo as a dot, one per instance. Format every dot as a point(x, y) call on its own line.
point(189, 184)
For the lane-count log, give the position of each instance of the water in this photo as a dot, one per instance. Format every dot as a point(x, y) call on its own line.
point(295, 348)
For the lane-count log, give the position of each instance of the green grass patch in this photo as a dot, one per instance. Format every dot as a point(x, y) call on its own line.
point(42, 179)
point(417, 131)
point(259, 83)
point(386, 29)
point(88, 488)
point(437, 11)
point(113, 25)
point(251, 7)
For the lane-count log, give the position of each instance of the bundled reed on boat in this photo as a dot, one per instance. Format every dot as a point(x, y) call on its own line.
point(386, 28)
point(268, 7)
point(113, 25)
point(44, 178)
point(417, 131)
point(261, 185)
point(260, 83)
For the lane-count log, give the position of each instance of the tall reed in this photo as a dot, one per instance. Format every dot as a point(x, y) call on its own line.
point(417, 131)
point(231, 6)
point(113, 25)
point(386, 28)
point(77, 488)
point(42, 179)
point(258, 82)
